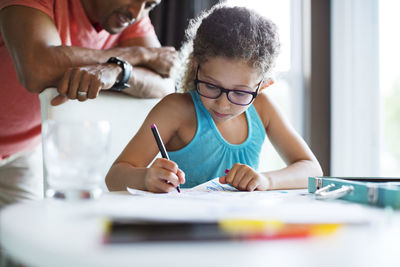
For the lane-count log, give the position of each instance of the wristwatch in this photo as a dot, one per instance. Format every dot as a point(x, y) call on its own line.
point(126, 73)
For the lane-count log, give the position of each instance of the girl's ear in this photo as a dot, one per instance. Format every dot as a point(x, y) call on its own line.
point(268, 82)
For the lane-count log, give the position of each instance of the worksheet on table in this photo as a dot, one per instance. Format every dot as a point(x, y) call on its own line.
point(214, 201)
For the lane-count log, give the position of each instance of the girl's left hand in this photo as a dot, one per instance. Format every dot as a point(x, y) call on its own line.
point(243, 177)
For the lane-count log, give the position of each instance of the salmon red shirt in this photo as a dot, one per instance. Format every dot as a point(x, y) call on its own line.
point(20, 121)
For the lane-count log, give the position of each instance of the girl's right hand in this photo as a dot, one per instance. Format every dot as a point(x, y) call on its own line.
point(163, 176)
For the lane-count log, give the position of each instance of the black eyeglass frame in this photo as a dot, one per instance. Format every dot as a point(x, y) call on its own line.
point(226, 91)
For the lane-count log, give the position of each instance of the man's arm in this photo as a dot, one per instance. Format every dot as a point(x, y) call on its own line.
point(41, 61)
point(145, 82)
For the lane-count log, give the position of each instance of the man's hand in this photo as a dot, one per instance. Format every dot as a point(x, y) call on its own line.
point(85, 82)
point(160, 59)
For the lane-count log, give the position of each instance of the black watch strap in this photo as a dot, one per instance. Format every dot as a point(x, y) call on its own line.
point(126, 73)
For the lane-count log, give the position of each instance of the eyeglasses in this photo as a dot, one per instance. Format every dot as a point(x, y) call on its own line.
point(237, 97)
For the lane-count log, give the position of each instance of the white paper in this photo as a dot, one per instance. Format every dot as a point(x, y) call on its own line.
point(210, 186)
point(214, 201)
point(212, 190)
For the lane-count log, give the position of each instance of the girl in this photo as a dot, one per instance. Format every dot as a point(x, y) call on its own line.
point(220, 120)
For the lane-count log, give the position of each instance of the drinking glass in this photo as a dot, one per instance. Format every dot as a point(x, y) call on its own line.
point(75, 154)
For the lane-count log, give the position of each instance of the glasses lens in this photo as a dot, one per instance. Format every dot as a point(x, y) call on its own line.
point(240, 98)
point(208, 90)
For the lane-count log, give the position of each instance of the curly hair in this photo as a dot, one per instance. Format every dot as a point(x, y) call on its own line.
point(231, 32)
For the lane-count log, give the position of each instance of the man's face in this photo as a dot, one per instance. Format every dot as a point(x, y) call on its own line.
point(114, 16)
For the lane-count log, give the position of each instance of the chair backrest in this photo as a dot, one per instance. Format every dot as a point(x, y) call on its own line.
point(125, 114)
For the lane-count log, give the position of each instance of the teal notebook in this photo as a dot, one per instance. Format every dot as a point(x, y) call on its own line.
point(377, 191)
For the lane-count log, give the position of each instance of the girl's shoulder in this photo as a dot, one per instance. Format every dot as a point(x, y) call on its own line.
point(177, 105)
point(265, 107)
point(178, 112)
point(176, 101)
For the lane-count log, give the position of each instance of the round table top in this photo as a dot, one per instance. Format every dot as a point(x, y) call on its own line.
point(57, 233)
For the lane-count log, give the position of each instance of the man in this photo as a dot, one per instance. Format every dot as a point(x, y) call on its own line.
point(80, 47)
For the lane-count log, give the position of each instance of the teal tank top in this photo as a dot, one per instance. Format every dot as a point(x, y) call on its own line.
point(208, 155)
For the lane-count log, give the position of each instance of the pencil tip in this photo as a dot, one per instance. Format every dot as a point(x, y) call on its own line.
point(153, 126)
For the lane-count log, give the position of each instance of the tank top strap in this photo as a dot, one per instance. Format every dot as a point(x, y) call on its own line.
point(201, 113)
point(255, 124)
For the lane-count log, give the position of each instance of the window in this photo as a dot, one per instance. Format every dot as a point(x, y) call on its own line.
point(365, 88)
point(389, 77)
point(355, 88)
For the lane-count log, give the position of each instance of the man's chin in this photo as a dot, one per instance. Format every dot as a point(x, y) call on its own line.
point(113, 25)
point(113, 30)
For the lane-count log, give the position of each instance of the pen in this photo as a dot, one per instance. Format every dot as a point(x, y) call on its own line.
point(161, 146)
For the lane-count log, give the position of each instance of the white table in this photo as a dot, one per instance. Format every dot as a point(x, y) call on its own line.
point(55, 233)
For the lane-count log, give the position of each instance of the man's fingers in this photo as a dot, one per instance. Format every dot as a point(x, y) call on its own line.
point(64, 83)
point(82, 94)
point(165, 60)
point(95, 87)
point(58, 100)
point(74, 84)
